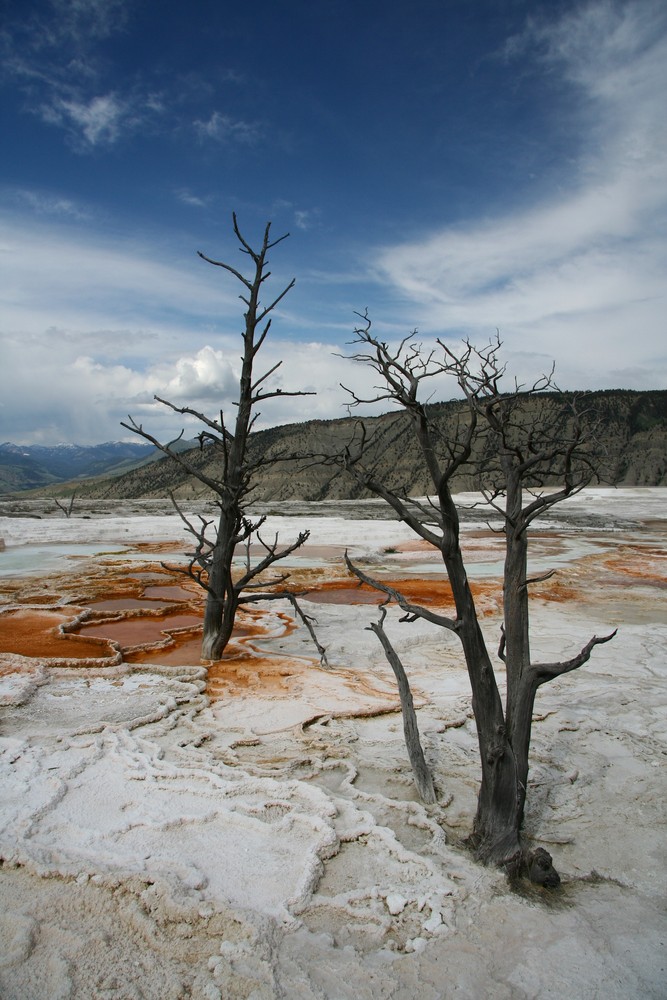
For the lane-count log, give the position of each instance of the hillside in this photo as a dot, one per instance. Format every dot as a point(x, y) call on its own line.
point(630, 448)
point(25, 467)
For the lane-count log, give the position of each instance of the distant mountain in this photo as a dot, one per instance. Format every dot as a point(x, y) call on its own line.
point(630, 448)
point(25, 467)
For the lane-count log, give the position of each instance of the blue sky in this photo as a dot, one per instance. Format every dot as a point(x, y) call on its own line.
point(455, 167)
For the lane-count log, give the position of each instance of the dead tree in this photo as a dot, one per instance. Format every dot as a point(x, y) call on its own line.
point(420, 769)
point(66, 508)
point(529, 463)
point(236, 473)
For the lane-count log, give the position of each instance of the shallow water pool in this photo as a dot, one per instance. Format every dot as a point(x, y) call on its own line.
point(22, 560)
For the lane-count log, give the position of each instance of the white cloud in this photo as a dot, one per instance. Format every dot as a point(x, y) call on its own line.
point(580, 277)
point(188, 198)
point(224, 128)
point(98, 120)
point(55, 62)
point(306, 218)
point(82, 20)
point(101, 120)
point(83, 280)
point(63, 394)
point(45, 203)
point(93, 327)
point(206, 376)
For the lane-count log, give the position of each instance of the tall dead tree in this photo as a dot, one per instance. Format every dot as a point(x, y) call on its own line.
point(236, 473)
point(527, 462)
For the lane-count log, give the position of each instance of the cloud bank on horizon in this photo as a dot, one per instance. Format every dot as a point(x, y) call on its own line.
point(488, 165)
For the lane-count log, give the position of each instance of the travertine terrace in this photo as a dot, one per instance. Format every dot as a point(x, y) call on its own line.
point(250, 828)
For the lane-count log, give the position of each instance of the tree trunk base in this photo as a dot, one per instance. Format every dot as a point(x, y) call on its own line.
point(212, 647)
point(505, 852)
point(501, 850)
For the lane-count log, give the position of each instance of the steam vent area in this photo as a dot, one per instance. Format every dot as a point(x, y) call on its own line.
point(250, 827)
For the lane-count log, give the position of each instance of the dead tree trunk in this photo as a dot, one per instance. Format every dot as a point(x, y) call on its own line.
point(496, 826)
point(519, 454)
point(232, 481)
point(420, 769)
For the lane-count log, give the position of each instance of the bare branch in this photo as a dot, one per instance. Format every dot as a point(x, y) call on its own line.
point(292, 598)
point(216, 426)
point(308, 621)
point(526, 449)
point(403, 603)
point(214, 485)
point(227, 267)
point(258, 396)
point(539, 579)
point(262, 315)
point(273, 555)
point(234, 479)
point(547, 671)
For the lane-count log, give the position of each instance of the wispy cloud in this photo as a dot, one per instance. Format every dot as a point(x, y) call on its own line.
point(224, 128)
point(59, 44)
point(55, 62)
point(88, 280)
point(80, 21)
point(98, 121)
point(68, 76)
point(46, 203)
point(579, 277)
point(306, 218)
point(189, 198)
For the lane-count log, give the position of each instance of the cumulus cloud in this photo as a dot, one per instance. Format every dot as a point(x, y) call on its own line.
point(208, 376)
point(579, 277)
point(92, 394)
point(94, 327)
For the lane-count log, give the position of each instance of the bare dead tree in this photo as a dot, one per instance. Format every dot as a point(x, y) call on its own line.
point(528, 464)
point(66, 508)
point(235, 475)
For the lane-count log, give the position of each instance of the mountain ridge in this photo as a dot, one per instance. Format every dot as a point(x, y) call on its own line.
point(32, 466)
point(630, 449)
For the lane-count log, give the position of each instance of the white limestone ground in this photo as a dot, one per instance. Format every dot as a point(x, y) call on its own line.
point(156, 845)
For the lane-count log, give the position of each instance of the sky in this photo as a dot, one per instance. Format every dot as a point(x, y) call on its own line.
point(456, 167)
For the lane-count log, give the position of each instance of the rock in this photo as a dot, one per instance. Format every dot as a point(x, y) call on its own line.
point(395, 903)
point(541, 870)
